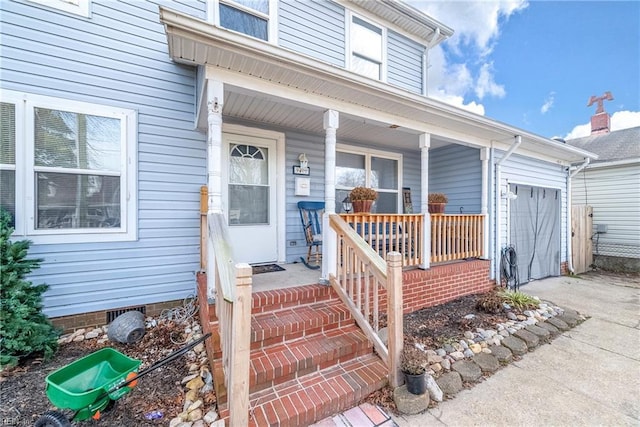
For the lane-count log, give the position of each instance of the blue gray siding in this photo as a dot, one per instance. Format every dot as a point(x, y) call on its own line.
point(118, 57)
point(456, 171)
point(404, 62)
point(314, 28)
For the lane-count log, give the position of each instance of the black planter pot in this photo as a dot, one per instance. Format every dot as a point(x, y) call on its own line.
point(416, 384)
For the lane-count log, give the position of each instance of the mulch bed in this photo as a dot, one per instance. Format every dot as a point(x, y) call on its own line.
point(22, 389)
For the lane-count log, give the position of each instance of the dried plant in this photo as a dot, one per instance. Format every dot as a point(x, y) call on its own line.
point(413, 361)
point(490, 302)
point(363, 193)
point(438, 198)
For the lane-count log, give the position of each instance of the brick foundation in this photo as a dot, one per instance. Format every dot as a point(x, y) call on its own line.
point(564, 268)
point(99, 318)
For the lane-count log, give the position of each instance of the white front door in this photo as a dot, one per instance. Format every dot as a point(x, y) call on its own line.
point(249, 192)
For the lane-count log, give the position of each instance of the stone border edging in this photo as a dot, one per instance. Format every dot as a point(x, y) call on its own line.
point(483, 352)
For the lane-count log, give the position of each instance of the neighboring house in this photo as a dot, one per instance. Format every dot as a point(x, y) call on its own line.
point(611, 186)
point(115, 113)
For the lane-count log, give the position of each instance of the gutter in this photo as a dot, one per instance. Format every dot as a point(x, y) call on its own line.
point(573, 171)
point(498, 196)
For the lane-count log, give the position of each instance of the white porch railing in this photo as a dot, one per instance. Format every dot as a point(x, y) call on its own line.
point(362, 280)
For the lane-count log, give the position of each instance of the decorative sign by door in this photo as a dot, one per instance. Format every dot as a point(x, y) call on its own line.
point(406, 200)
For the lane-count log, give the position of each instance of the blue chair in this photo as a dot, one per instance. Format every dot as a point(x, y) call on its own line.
point(311, 218)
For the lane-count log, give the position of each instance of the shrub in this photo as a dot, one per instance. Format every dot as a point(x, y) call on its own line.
point(438, 198)
point(24, 329)
point(490, 302)
point(518, 299)
point(413, 361)
point(363, 193)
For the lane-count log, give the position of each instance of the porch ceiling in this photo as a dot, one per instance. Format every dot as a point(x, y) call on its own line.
point(296, 81)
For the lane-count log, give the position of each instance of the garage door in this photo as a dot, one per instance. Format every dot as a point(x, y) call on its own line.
point(535, 231)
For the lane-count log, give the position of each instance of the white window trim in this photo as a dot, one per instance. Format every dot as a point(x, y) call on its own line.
point(347, 37)
point(25, 174)
point(213, 16)
point(368, 153)
point(82, 8)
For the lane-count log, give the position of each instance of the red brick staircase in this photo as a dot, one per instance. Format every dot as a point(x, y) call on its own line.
point(309, 359)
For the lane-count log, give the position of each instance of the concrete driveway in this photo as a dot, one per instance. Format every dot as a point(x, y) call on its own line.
point(589, 375)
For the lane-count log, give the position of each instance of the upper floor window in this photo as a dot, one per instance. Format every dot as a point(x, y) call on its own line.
point(68, 169)
point(366, 54)
point(78, 7)
point(255, 18)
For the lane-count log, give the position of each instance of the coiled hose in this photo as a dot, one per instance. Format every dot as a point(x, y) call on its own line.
point(509, 268)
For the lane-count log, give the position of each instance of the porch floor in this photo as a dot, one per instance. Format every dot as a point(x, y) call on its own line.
point(295, 274)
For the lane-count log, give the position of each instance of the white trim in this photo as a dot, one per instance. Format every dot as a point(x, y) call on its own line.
point(613, 163)
point(279, 137)
point(26, 169)
point(82, 8)
point(349, 15)
point(368, 153)
point(213, 16)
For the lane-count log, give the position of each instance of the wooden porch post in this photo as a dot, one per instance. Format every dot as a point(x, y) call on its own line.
point(394, 314)
point(215, 100)
point(329, 238)
point(484, 201)
point(425, 143)
point(239, 388)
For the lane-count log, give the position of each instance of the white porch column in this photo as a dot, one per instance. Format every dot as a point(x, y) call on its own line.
point(215, 100)
point(484, 200)
point(425, 143)
point(329, 238)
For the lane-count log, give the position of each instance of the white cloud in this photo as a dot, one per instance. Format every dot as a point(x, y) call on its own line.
point(486, 85)
point(460, 69)
point(548, 103)
point(619, 120)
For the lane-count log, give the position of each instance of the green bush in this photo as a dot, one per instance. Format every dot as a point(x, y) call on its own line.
point(24, 329)
point(519, 299)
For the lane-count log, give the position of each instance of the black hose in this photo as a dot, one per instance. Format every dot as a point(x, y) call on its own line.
point(509, 277)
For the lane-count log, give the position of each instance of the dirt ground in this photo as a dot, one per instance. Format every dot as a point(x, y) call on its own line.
point(22, 389)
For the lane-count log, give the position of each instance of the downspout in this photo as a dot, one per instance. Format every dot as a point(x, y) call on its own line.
point(573, 171)
point(425, 61)
point(498, 196)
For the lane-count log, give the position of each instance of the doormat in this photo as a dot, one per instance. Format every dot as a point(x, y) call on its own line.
point(267, 268)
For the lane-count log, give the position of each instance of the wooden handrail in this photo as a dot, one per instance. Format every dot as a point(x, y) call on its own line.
point(362, 278)
point(232, 283)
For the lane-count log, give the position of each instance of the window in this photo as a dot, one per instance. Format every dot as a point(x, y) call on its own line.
point(255, 18)
point(78, 7)
point(68, 169)
point(366, 54)
point(373, 169)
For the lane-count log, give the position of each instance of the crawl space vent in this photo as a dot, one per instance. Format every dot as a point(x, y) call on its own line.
point(111, 315)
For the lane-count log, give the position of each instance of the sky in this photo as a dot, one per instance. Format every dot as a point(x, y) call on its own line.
point(535, 64)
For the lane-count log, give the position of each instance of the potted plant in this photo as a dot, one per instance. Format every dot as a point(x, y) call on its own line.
point(362, 198)
point(437, 202)
point(413, 364)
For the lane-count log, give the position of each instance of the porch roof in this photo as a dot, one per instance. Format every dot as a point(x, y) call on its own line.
point(257, 66)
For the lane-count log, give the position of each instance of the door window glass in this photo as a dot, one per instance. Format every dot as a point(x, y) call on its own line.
point(248, 185)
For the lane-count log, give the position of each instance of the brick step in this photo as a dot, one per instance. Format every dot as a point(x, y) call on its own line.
point(275, 327)
point(318, 395)
point(277, 364)
point(279, 299)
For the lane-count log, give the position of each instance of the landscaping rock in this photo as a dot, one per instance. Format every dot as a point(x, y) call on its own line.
point(529, 338)
point(450, 383)
point(516, 345)
point(558, 323)
point(457, 355)
point(434, 390)
point(408, 403)
point(549, 327)
point(434, 358)
point(569, 319)
point(446, 364)
point(542, 333)
point(476, 348)
point(503, 354)
point(486, 362)
point(468, 370)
